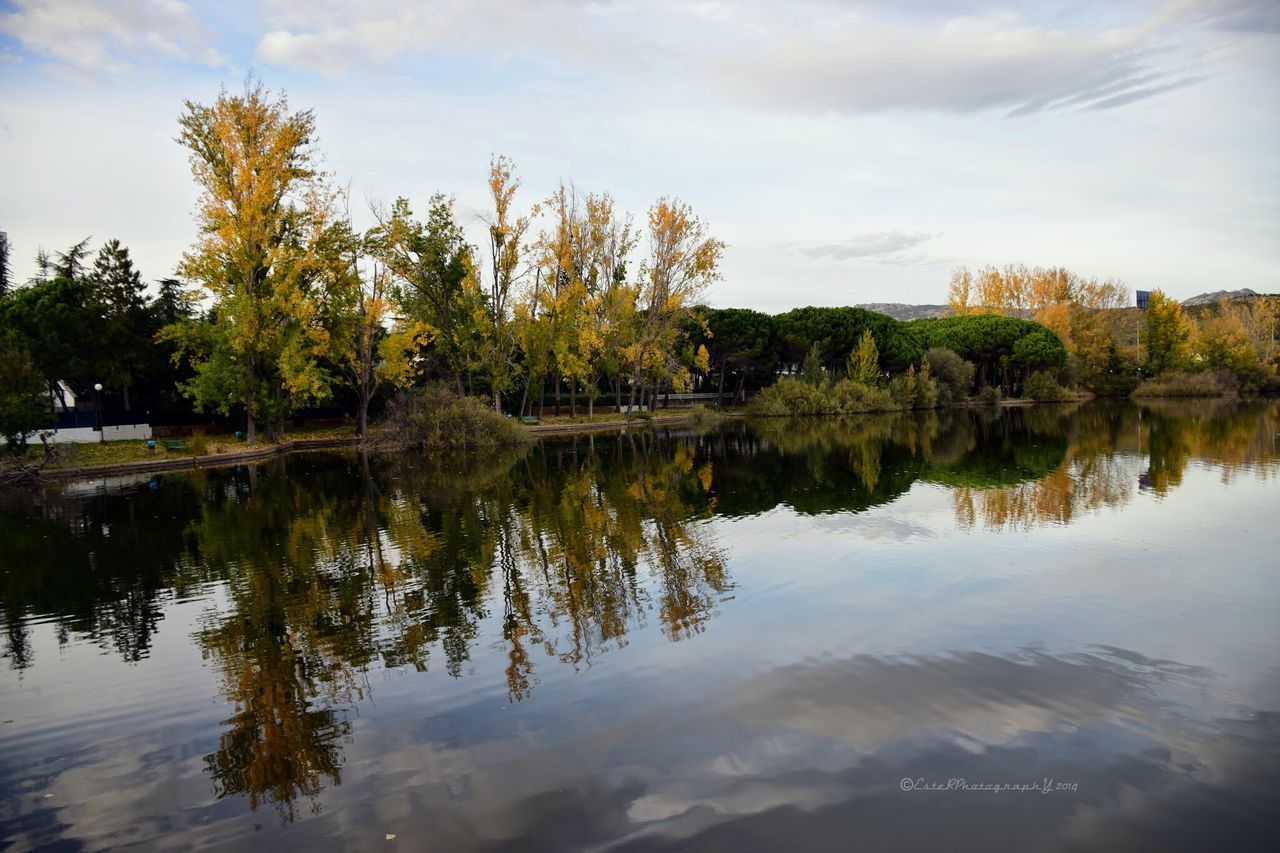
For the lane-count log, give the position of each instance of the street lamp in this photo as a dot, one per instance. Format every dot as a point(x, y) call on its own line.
point(97, 408)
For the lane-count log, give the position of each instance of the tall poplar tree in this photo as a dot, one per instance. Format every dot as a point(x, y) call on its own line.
point(263, 210)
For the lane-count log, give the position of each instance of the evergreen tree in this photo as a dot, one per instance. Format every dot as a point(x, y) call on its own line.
point(70, 264)
point(119, 296)
point(864, 361)
point(5, 272)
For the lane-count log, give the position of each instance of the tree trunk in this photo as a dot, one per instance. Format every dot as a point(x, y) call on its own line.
point(557, 394)
point(720, 390)
point(573, 398)
point(497, 401)
point(250, 428)
point(125, 392)
point(362, 421)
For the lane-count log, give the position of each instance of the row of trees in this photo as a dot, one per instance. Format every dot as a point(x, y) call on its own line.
point(753, 347)
point(1101, 340)
point(1236, 336)
point(79, 323)
point(299, 301)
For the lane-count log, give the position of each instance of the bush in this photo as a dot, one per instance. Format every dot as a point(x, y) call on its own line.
point(791, 397)
point(850, 397)
point(197, 444)
point(990, 395)
point(1043, 386)
point(914, 390)
point(435, 417)
point(954, 375)
point(1187, 385)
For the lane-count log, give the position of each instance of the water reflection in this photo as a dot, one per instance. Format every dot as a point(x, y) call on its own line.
point(318, 570)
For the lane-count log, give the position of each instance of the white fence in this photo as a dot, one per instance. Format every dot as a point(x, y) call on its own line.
point(89, 435)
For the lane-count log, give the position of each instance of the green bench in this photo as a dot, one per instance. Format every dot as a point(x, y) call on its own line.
point(530, 419)
point(174, 443)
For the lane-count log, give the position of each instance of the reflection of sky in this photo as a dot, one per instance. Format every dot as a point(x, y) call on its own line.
point(1127, 652)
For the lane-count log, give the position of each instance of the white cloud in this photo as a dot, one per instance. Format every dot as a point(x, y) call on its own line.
point(811, 55)
point(867, 245)
point(81, 38)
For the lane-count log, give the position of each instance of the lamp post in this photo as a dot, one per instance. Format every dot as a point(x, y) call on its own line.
point(97, 408)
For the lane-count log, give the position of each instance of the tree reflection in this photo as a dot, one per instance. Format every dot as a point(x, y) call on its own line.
point(1110, 450)
point(321, 568)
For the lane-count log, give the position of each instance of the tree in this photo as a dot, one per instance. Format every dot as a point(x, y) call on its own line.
point(120, 299)
point(683, 259)
point(739, 341)
point(370, 346)
point(44, 267)
point(993, 343)
point(431, 265)
point(1222, 340)
point(1168, 333)
point(23, 404)
point(6, 274)
point(953, 373)
point(70, 264)
point(507, 253)
point(836, 332)
point(262, 210)
point(59, 330)
point(864, 361)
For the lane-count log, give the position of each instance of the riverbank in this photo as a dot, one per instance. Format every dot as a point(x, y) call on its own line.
point(222, 458)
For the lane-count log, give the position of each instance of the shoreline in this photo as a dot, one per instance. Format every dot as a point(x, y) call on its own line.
point(220, 460)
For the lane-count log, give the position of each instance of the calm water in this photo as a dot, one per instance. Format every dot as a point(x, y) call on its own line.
point(743, 638)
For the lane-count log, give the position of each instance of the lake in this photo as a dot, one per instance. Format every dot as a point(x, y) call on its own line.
point(1049, 628)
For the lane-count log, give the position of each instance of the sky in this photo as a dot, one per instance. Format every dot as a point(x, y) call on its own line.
point(847, 151)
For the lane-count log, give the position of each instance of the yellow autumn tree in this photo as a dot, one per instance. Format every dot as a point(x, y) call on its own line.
point(1169, 333)
point(1222, 340)
point(263, 212)
point(683, 259)
point(508, 256)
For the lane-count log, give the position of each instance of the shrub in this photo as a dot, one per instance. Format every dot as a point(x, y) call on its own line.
point(1043, 386)
point(436, 417)
point(914, 390)
point(954, 375)
point(851, 398)
point(1186, 385)
point(197, 444)
point(790, 397)
point(990, 395)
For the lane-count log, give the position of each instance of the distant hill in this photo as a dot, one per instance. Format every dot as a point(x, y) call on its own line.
point(1212, 298)
point(903, 311)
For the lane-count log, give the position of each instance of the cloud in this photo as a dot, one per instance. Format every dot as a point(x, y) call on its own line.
point(81, 38)
point(817, 56)
point(1246, 16)
point(868, 245)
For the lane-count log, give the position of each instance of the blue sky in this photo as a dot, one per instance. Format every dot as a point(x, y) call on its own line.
point(847, 150)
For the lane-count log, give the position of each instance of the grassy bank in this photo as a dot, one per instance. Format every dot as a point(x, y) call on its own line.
point(195, 446)
point(1208, 383)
